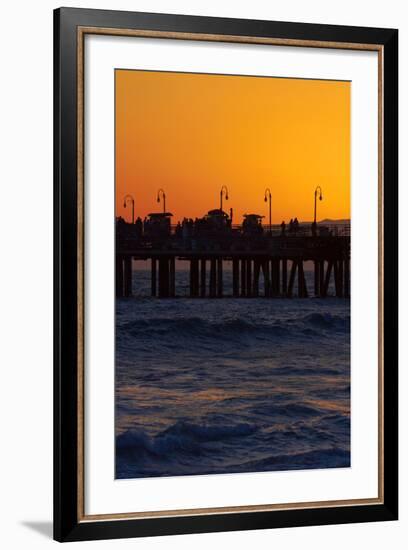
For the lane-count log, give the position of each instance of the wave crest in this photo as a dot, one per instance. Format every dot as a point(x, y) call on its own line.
point(230, 327)
point(181, 436)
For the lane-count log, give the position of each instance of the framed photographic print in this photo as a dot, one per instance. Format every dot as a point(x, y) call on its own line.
point(225, 274)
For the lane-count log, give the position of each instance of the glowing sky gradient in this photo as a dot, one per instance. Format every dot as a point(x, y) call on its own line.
point(192, 133)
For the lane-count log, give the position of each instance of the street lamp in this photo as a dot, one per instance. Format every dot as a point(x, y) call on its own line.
point(163, 194)
point(132, 200)
point(318, 191)
point(268, 195)
point(224, 191)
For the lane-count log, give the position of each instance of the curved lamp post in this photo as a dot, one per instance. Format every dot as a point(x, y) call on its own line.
point(318, 192)
point(223, 192)
point(132, 200)
point(163, 194)
point(268, 195)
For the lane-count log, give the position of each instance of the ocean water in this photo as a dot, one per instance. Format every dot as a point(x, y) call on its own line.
point(207, 386)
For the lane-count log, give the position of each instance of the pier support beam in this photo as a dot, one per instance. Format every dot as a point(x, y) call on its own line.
point(327, 278)
point(128, 276)
point(164, 278)
point(194, 274)
point(275, 272)
point(257, 268)
point(338, 277)
point(243, 277)
point(300, 279)
point(153, 276)
point(213, 277)
point(172, 277)
point(219, 278)
point(292, 278)
point(235, 278)
point(341, 278)
point(284, 277)
point(267, 280)
point(316, 277)
point(202, 278)
point(302, 288)
point(347, 278)
point(119, 277)
point(321, 277)
point(248, 277)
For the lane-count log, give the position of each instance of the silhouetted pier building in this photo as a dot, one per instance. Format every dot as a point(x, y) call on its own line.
point(157, 225)
point(263, 263)
point(252, 224)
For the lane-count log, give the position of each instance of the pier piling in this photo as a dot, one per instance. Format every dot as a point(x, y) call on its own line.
point(321, 277)
point(202, 278)
point(327, 278)
point(316, 277)
point(284, 277)
point(292, 278)
point(243, 277)
point(219, 278)
point(235, 277)
point(119, 276)
point(153, 276)
point(275, 272)
point(163, 278)
point(267, 282)
point(347, 278)
point(213, 277)
point(341, 278)
point(194, 275)
point(248, 278)
point(302, 287)
point(257, 268)
point(172, 277)
point(128, 276)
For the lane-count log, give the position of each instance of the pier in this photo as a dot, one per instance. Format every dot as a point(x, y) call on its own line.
point(265, 263)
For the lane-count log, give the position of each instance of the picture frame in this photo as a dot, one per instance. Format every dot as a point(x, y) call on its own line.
point(71, 26)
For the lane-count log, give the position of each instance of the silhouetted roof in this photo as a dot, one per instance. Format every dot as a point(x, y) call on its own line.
point(253, 216)
point(160, 215)
point(217, 212)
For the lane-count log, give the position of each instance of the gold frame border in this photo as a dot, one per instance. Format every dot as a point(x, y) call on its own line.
point(81, 32)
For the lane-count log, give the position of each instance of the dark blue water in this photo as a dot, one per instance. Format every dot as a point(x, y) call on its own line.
point(230, 385)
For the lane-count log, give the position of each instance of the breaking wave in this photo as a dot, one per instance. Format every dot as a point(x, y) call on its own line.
point(208, 328)
point(188, 449)
point(181, 436)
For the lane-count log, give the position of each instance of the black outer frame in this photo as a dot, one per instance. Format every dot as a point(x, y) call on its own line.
point(66, 525)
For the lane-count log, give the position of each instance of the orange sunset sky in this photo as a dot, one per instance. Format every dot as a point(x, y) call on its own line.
point(192, 133)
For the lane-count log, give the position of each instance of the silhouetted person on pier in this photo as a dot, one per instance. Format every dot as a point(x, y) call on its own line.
point(295, 225)
point(179, 230)
point(184, 227)
point(187, 227)
point(195, 228)
point(291, 226)
point(283, 228)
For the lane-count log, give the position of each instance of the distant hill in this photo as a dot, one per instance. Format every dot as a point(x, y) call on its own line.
point(328, 221)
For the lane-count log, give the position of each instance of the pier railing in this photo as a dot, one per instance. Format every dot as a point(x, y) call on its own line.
point(332, 229)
